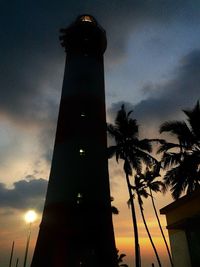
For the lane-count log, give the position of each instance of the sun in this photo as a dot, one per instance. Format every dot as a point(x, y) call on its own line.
point(30, 216)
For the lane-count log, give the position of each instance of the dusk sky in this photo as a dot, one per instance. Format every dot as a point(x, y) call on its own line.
point(152, 64)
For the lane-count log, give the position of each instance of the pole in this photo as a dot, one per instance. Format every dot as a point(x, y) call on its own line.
point(11, 254)
point(27, 245)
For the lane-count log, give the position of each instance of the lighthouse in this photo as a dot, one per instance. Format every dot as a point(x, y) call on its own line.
point(76, 228)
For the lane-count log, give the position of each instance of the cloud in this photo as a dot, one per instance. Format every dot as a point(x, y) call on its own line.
point(25, 194)
point(46, 141)
point(166, 101)
point(32, 60)
point(31, 54)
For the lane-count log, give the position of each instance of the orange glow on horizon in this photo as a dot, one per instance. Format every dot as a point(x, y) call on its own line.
point(127, 243)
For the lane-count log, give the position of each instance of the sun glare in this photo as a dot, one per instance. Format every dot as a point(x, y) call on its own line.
point(30, 216)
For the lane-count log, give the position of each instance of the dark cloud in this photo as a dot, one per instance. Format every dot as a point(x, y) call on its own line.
point(25, 194)
point(31, 54)
point(167, 100)
point(179, 93)
point(46, 140)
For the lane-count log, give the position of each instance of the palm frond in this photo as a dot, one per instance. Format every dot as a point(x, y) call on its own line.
point(174, 127)
point(120, 259)
point(111, 151)
point(145, 157)
point(132, 128)
point(164, 188)
point(140, 201)
point(111, 130)
point(143, 193)
point(194, 120)
point(156, 169)
point(180, 130)
point(171, 159)
point(155, 186)
point(184, 173)
point(121, 117)
point(118, 155)
point(129, 200)
point(177, 181)
point(136, 162)
point(178, 186)
point(145, 144)
point(114, 132)
point(185, 177)
point(127, 168)
point(170, 176)
point(167, 146)
point(114, 210)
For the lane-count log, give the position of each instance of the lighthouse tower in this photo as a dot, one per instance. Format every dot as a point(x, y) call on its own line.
point(76, 228)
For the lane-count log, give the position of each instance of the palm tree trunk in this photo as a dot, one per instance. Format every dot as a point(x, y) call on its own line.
point(149, 235)
point(161, 230)
point(137, 246)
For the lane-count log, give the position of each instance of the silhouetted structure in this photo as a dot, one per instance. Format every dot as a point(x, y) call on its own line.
point(183, 220)
point(76, 228)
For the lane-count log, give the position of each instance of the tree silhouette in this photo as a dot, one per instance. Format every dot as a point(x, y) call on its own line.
point(132, 151)
point(114, 209)
point(182, 159)
point(120, 259)
point(150, 177)
point(140, 188)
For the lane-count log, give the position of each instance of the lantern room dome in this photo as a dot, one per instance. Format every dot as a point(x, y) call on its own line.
point(84, 36)
point(86, 18)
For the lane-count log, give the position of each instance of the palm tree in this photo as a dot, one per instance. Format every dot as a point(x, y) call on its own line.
point(120, 259)
point(132, 151)
point(114, 210)
point(154, 185)
point(182, 159)
point(140, 189)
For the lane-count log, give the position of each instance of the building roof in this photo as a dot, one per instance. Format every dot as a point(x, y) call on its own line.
point(181, 201)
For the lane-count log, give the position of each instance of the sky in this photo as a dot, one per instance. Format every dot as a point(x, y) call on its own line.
point(152, 64)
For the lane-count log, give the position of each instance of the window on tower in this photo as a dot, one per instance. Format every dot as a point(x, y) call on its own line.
point(79, 198)
point(83, 114)
point(82, 152)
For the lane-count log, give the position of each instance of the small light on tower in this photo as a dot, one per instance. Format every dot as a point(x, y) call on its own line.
point(79, 198)
point(83, 114)
point(82, 152)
